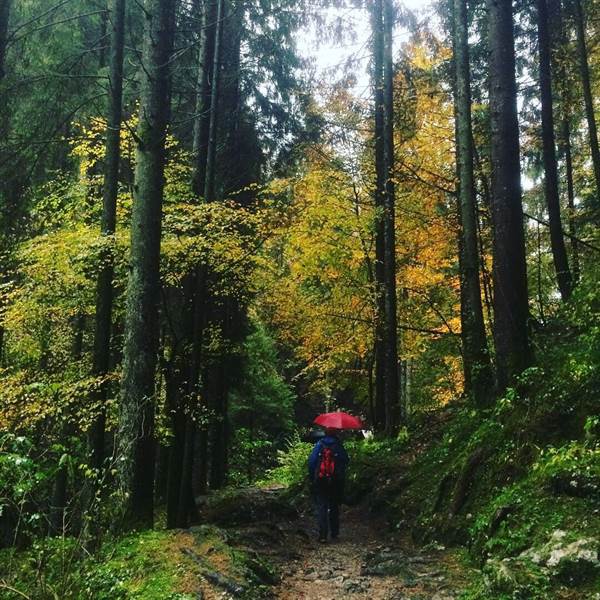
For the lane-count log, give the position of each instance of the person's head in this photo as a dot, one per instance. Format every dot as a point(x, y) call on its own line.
point(331, 431)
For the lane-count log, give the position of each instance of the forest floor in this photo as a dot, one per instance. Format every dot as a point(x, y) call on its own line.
point(363, 563)
point(367, 561)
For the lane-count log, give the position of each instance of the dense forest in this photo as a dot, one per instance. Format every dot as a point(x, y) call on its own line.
point(206, 240)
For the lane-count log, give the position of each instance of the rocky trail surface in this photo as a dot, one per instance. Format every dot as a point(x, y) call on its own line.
point(365, 563)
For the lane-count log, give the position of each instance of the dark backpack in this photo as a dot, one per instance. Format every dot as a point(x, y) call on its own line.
point(326, 471)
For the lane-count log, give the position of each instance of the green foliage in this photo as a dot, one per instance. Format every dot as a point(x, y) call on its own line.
point(261, 409)
point(22, 477)
point(292, 463)
point(369, 460)
point(143, 566)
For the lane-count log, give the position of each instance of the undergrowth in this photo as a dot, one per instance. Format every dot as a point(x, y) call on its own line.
point(537, 466)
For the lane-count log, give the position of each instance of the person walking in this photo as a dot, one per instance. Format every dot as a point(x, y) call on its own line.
point(327, 465)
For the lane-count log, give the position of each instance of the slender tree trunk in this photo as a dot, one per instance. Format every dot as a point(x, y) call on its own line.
point(371, 392)
point(203, 94)
point(513, 352)
point(136, 422)
point(391, 331)
point(219, 432)
point(379, 423)
point(566, 149)
point(209, 186)
point(5, 6)
point(559, 44)
point(478, 372)
point(559, 251)
point(187, 504)
point(104, 17)
point(104, 284)
point(201, 461)
point(177, 376)
point(58, 503)
point(582, 55)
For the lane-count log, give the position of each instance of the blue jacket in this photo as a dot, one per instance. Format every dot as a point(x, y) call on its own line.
point(335, 444)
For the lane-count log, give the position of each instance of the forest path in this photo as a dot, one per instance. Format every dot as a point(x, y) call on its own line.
point(363, 563)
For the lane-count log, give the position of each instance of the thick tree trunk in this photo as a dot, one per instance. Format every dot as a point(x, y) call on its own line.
point(136, 421)
point(559, 251)
point(377, 17)
point(513, 352)
point(104, 285)
point(582, 56)
point(478, 372)
point(5, 6)
point(390, 328)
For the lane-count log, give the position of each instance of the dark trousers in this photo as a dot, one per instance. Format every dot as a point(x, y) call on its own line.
point(327, 503)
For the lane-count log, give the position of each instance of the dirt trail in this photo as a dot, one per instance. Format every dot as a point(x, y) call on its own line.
point(365, 564)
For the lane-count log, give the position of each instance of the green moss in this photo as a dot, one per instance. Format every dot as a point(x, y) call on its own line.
point(148, 565)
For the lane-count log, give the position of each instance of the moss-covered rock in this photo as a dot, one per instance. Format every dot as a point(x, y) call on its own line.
point(570, 561)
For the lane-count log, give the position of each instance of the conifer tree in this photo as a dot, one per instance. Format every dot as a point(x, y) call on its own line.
point(511, 339)
point(136, 421)
point(478, 371)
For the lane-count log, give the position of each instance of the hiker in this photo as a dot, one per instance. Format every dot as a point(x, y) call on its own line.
point(327, 468)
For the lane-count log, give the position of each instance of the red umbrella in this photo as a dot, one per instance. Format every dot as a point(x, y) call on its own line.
point(338, 420)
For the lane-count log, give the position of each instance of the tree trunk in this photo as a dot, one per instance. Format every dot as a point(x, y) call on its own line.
point(208, 25)
point(136, 421)
point(104, 284)
point(559, 251)
point(219, 430)
point(478, 372)
point(187, 505)
point(584, 69)
point(379, 422)
point(559, 43)
point(209, 186)
point(175, 380)
point(58, 503)
point(513, 353)
point(566, 149)
point(5, 6)
point(390, 326)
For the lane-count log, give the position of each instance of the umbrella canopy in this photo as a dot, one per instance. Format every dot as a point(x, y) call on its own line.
point(338, 420)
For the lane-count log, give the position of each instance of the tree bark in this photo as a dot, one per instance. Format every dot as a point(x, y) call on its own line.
point(104, 284)
point(5, 6)
point(391, 330)
point(478, 372)
point(379, 423)
point(582, 55)
point(513, 352)
point(219, 430)
point(559, 251)
point(207, 31)
point(567, 152)
point(209, 186)
point(559, 45)
point(136, 420)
